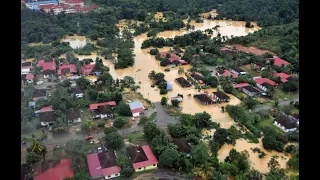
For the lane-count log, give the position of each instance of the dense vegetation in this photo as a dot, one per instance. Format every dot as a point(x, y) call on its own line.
point(267, 13)
point(282, 40)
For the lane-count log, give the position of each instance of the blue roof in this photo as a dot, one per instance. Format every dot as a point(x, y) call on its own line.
point(136, 105)
point(169, 86)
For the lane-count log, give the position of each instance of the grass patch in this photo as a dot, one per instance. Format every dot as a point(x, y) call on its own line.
point(136, 174)
point(269, 122)
point(85, 114)
point(153, 116)
point(280, 94)
point(87, 146)
point(28, 137)
point(58, 154)
point(249, 70)
point(136, 138)
point(173, 111)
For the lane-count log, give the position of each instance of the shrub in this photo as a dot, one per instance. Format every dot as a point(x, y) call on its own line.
point(163, 91)
point(154, 51)
point(119, 122)
point(164, 101)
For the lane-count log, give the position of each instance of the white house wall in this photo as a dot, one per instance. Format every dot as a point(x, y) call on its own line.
point(112, 176)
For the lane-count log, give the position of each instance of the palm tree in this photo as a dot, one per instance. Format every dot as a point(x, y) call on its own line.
point(38, 148)
point(205, 171)
point(181, 70)
point(152, 74)
point(225, 81)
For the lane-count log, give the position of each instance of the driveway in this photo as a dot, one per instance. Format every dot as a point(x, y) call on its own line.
point(163, 118)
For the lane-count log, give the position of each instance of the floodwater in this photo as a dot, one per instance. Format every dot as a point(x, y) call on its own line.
point(76, 42)
point(145, 63)
point(260, 165)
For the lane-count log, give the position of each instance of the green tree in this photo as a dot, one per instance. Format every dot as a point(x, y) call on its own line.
point(202, 120)
point(168, 158)
point(273, 163)
point(83, 83)
point(175, 102)
point(250, 102)
point(88, 126)
point(154, 51)
point(180, 70)
point(124, 109)
point(119, 122)
point(109, 130)
point(220, 136)
point(152, 74)
point(164, 101)
point(114, 140)
point(79, 161)
point(82, 175)
point(150, 130)
point(199, 154)
point(127, 171)
point(290, 86)
point(73, 146)
point(32, 158)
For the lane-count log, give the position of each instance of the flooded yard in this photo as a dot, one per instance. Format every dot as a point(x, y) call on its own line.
point(76, 42)
point(260, 165)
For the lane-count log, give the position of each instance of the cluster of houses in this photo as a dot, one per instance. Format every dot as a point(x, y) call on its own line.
point(49, 68)
point(58, 6)
point(174, 59)
point(104, 164)
point(216, 97)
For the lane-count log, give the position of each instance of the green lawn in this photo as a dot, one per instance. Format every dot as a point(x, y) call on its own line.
point(136, 138)
point(249, 70)
point(28, 137)
point(280, 94)
point(269, 122)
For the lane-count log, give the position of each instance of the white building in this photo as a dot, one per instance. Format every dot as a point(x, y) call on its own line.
point(285, 123)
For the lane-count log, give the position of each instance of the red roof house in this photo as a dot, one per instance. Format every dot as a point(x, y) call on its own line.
point(265, 80)
point(95, 106)
point(56, 170)
point(240, 85)
point(227, 73)
point(278, 61)
point(103, 164)
point(88, 69)
point(29, 76)
point(47, 65)
point(142, 158)
point(283, 76)
point(46, 109)
point(72, 68)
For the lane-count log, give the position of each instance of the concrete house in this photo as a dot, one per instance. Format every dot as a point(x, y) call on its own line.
point(47, 118)
point(250, 91)
point(103, 111)
point(238, 71)
point(103, 165)
point(29, 78)
point(221, 96)
point(48, 67)
point(39, 94)
point(285, 123)
point(136, 108)
point(77, 92)
point(264, 83)
point(142, 158)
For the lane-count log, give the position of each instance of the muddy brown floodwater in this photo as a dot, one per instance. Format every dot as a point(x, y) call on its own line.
point(144, 63)
point(260, 165)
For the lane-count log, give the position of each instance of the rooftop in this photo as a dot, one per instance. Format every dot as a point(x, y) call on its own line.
point(72, 113)
point(203, 98)
point(54, 170)
point(283, 76)
point(265, 80)
point(286, 122)
point(88, 68)
point(183, 82)
point(251, 89)
point(221, 95)
point(47, 64)
point(182, 144)
point(227, 73)
point(39, 93)
point(46, 109)
point(26, 64)
point(136, 105)
point(240, 85)
point(104, 109)
point(67, 68)
point(141, 156)
point(237, 69)
point(29, 76)
point(95, 106)
point(278, 61)
point(197, 76)
point(47, 116)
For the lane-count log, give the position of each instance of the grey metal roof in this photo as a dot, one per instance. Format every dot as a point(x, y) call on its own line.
point(136, 105)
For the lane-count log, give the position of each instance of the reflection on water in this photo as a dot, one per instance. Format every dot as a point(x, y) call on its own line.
point(260, 165)
point(76, 42)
